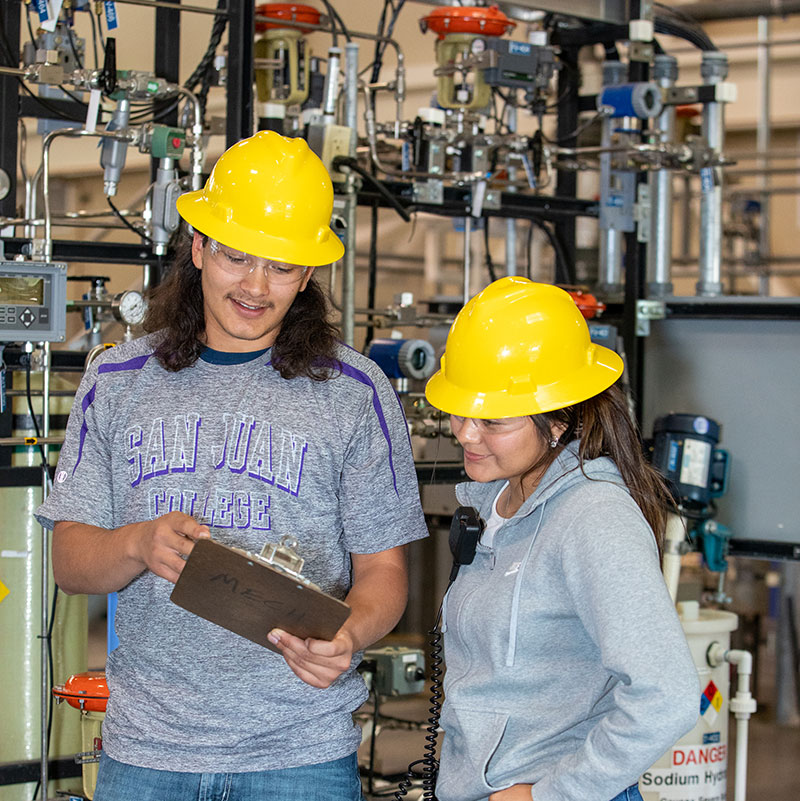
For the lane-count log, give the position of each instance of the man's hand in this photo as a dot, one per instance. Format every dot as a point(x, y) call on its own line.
point(164, 544)
point(517, 792)
point(317, 662)
point(89, 559)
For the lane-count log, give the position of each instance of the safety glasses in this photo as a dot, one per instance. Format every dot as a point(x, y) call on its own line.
point(234, 262)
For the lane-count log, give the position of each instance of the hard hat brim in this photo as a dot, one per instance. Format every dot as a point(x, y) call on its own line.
point(195, 209)
point(581, 385)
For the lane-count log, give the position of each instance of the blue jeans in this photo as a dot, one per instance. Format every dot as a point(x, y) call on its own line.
point(328, 781)
point(631, 794)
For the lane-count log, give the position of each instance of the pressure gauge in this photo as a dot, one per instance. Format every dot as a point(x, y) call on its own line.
point(129, 307)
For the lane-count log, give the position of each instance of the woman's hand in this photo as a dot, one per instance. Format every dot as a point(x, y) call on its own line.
point(517, 792)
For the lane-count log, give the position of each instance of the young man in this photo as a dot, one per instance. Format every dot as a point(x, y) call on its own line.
point(242, 418)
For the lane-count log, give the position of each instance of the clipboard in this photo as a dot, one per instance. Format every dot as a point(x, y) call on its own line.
point(244, 594)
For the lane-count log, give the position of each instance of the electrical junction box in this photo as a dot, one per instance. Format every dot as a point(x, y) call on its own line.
point(33, 301)
point(519, 65)
point(398, 670)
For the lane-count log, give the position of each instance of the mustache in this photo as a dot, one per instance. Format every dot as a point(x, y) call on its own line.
point(264, 303)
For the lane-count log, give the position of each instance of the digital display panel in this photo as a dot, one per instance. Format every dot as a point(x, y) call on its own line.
point(21, 290)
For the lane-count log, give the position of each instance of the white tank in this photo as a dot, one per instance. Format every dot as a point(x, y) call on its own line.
point(696, 766)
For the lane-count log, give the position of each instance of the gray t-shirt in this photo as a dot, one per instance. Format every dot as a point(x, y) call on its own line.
point(255, 457)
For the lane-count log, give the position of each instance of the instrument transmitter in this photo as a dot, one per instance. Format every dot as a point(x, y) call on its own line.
point(33, 301)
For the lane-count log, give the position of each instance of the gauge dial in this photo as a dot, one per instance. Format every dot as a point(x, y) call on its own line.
point(130, 307)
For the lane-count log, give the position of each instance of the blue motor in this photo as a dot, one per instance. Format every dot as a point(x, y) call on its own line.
point(685, 453)
point(642, 100)
point(403, 358)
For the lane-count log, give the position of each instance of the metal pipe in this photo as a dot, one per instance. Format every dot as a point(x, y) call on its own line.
point(659, 251)
point(171, 6)
point(331, 90)
point(16, 441)
point(511, 223)
point(762, 145)
point(686, 210)
point(45, 173)
point(674, 535)
point(611, 240)
point(739, 45)
point(197, 138)
point(372, 140)
point(349, 264)
point(351, 86)
point(740, 9)
point(467, 265)
point(714, 69)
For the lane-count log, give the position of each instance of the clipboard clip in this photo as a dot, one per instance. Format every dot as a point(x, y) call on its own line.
point(284, 556)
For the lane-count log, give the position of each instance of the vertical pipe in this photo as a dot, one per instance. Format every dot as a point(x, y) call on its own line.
point(611, 250)
point(511, 223)
point(349, 266)
point(331, 90)
point(467, 237)
point(713, 69)
point(659, 251)
point(787, 691)
point(351, 85)
point(686, 222)
point(762, 146)
point(674, 536)
point(46, 678)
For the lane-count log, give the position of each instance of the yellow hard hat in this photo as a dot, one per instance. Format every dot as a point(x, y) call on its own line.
point(519, 348)
point(268, 196)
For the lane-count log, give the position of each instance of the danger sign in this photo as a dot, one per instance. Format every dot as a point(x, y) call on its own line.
point(695, 772)
point(699, 754)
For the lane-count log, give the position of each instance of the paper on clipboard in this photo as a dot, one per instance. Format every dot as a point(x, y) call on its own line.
point(248, 597)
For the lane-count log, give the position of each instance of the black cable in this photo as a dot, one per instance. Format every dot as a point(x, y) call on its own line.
point(335, 16)
point(49, 636)
point(372, 738)
point(487, 249)
point(128, 224)
point(30, 409)
point(204, 69)
point(429, 763)
point(579, 130)
point(528, 244)
point(30, 29)
point(94, 40)
point(70, 36)
point(377, 60)
point(217, 29)
point(52, 673)
point(14, 62)
point(561, 263)
point(673, 22)
point(372, 275)
point(376, 183)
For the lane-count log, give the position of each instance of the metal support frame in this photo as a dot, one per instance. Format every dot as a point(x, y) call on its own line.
point(9, 105)
point(240, 71)
point(566, 125)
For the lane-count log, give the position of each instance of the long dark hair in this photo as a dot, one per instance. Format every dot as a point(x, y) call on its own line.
point(604, 427)
point(305, 345)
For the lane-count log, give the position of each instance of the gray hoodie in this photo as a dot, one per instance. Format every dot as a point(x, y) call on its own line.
point(567, 667)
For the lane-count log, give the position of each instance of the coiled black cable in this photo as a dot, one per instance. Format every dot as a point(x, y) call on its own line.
point(429, 762)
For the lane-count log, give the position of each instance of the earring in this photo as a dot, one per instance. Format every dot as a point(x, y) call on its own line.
point(553, 443)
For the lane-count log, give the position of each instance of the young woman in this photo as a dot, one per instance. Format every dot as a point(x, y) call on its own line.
point(568, 674)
